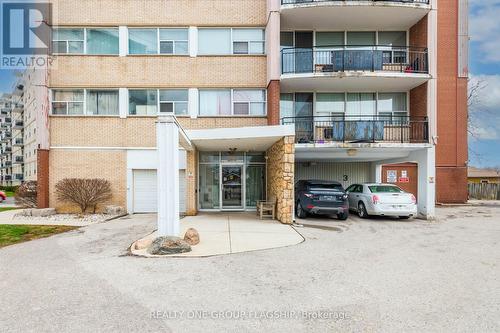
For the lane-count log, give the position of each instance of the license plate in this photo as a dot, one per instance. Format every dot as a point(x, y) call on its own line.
point(328, 198)
point(400, 207)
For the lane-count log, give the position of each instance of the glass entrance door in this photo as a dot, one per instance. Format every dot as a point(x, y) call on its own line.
point(232, 186)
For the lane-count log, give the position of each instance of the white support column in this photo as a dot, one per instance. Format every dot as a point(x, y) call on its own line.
point(123, 102)
point(123, 41)
point(193, 41)
point(167, 136)
point(426, 182)
point(273, 40)
point(193, 102)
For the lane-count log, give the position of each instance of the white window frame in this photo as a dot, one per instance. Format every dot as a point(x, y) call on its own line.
point(52, 101)
point(143, 115)
point(232, 41)
point(174, 103)
point(85, 41)
point(233, 101)
point(67, 41)
point(85, 113)
point(249, 103)
point(174, 42)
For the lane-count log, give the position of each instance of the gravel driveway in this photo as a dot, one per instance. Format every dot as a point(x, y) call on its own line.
point(365, 276)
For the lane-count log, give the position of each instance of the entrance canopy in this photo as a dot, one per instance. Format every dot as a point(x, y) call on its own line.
point(255, 138)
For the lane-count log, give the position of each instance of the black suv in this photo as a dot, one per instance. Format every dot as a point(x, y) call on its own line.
point(321, 197)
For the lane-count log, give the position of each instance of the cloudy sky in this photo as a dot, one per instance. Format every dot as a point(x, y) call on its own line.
point(484, 30)
point(484, 67)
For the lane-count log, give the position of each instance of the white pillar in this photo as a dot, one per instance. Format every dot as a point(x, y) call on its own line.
point(273, 40)
point(426, 182)
point(167, 143)
point(193, 41)
point(123, 102)
point(193, 102)
point(123, 41)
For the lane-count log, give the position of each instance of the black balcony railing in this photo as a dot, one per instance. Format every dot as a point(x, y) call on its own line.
point(293, 2)
point(324, 59)
point(359, 129)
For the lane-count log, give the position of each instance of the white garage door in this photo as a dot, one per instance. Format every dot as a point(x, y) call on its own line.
point(145, 191)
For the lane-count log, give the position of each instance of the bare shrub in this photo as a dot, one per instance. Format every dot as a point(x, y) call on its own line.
point(85, 193)
point(26, 194)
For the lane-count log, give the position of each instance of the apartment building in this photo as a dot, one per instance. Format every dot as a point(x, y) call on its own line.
point(12, 133)
point(264, 93)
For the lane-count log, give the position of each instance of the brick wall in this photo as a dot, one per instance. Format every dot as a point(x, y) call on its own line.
point(418, 33)
point(110, 165)
point(160, 12)
point(42, 185)
point(280, 177)
point(130, 132)
point(191, 183)
point(159, 71)
point(451, 150)
point(273, 103)
point(418, 101)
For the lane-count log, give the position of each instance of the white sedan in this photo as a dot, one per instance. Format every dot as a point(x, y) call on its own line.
point(381, 199)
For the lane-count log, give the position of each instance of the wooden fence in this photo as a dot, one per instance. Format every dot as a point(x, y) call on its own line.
point(484, 191)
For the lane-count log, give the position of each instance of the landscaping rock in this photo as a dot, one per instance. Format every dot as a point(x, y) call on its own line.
point(114, 210)
point(168, 245)
point(192, 237)
point(143, 243)
point(43, 212)
point(24, 212)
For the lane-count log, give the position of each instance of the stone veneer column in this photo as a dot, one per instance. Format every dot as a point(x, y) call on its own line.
point(42, 185)
point(191, 182)
point(280, 177)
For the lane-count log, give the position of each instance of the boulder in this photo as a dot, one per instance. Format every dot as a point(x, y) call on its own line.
point(168, 245)
point(114, 210)
point(43, 212)
point(192, 237)
point(143, 243)
point(24, 212)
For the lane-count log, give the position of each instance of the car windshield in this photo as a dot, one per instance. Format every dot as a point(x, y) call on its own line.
point(332, 187)
point(385, 189)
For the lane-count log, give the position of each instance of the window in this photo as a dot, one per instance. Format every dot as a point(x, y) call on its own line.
point(286, 107)
point(328, 104)
point(328, 39)
point(248, 41)
point(214, 41)
point(231, 41)
point(392, 106)
point(360, 105)
point(249, 102)
point(286, 39)
point(102, 102)
point(66, 102)
point(174, 41)
point(68, 41)
point(175, 100)
point(215, 102)
point(395, 41)
point(143, 41)
point(143, 102)
point(102, 41)
point(360, 38)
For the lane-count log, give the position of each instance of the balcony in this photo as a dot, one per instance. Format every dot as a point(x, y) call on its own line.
point(351, 68)
point(18, 160)
point(18, 176)
point(4, 111)
point(354, 14)
point(18, 124)
point(18, 108)
point(359, 129)
point(7, 177)
point(18, 142)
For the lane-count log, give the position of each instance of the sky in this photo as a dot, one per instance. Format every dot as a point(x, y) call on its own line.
point(484, 67)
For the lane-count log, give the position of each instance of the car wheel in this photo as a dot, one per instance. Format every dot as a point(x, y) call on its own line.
point(404, 217)
point(343, 216)
point(362, 210)
point(301, 213)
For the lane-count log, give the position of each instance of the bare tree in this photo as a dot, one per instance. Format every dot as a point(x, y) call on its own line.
point(26, 194)
point(85, 193)
point(473, 101)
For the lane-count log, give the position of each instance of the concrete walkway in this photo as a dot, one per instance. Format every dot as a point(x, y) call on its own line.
point(225, 233)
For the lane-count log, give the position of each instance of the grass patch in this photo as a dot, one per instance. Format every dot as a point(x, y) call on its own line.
point(9, 193)
point(12, 234)
point(3, 209)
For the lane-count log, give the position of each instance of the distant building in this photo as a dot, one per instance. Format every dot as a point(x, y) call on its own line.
point(484, 176)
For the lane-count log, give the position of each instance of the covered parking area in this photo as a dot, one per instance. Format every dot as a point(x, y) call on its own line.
point(367, 162)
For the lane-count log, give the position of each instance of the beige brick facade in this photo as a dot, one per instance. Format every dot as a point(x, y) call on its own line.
point(159, 71)
point(75, 131)
point(110, 165)
point(280, 177)
point(160, 12)
point(191, 183)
